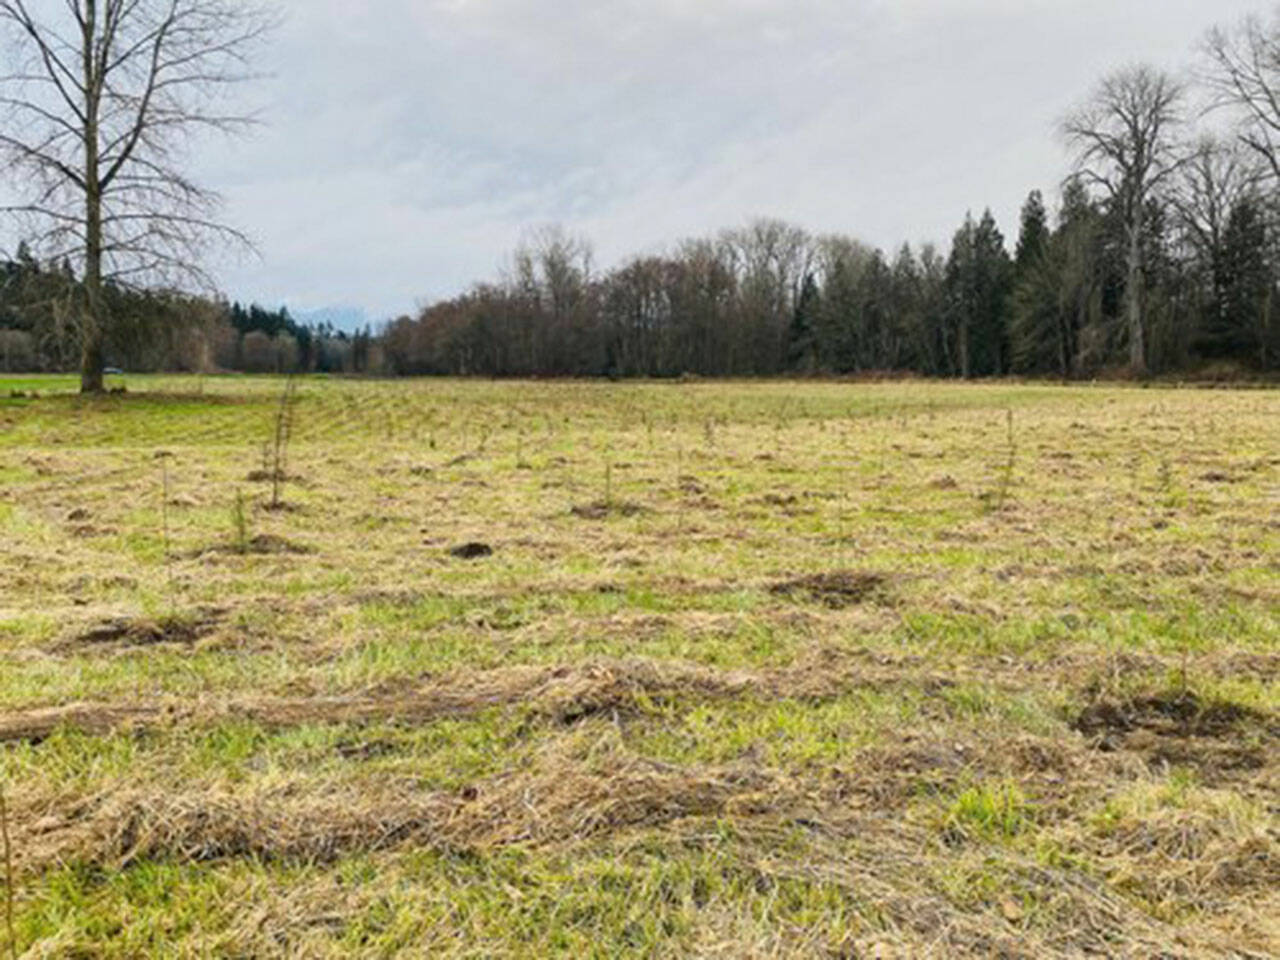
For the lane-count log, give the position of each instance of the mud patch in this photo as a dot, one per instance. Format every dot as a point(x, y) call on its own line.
point(1218, 476)
point(471, 551)
point(126, 632)
point(837, 590)
point(1179, 728)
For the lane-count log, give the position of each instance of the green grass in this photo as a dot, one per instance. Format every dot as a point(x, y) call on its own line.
point(655, 746)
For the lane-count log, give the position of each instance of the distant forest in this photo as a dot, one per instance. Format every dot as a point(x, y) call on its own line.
point(1161, 255)
point(159, 330)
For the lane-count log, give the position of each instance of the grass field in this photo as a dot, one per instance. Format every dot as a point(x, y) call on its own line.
point(729, 670)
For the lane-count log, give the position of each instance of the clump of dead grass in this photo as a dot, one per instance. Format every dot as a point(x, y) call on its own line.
point(604, 509)
point(562, 694)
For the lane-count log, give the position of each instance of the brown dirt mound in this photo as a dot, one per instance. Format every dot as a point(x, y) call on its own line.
point(839, 589)
point(145, 632)
point(1179, 728)
point(472, 551)
point(1174, 713)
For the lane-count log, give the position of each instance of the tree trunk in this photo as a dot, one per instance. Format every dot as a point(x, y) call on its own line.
point(93, 324)
point(91, 358)
point(1133, 305)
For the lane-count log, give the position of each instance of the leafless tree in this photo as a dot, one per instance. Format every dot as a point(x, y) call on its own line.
point(100, 100)
point(1243, 75)
point(1216, 176)
point(1125, 143)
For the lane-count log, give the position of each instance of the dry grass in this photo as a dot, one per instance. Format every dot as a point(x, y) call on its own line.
point(820, 674)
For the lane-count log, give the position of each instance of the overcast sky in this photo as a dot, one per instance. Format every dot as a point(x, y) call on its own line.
point(410, 143)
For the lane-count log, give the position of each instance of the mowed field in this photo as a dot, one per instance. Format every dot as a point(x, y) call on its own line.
point(726, 670)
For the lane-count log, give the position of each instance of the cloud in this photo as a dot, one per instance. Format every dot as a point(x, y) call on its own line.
point(411, 142)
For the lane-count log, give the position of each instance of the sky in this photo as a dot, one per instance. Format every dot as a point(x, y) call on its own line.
point(408, 146)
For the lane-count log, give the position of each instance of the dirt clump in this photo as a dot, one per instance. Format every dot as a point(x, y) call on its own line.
point(126, 632)
point(1174, 713)
point(1218, 476)
point(837, 589)
point(1180, 728)
point(471, 551)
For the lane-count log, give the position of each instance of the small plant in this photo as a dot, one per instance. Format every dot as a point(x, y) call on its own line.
point(997, 500)
point(280, 444)
point(8, 877)
point(679, 491)
point(239, 524)
point(608, 486)
point(164, 519)
point(992, 812)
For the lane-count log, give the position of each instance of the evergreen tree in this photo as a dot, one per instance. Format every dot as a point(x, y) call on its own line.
point(1033, 235)
point(1240, 329)
point(802, 349)
point(979, 281)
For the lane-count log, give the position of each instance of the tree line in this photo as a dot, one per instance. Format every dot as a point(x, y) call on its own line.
point(1163, 256)
point(1161, 252)
point(161, 330)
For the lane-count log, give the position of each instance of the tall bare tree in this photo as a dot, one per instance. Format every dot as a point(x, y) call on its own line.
point(100, 98)
point(1125, 141)
point(1244, 76)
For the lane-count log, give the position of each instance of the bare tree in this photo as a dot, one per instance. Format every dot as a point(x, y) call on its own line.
point(100, 98)
point(1216, 175)
point(1125, 143)
point(1244, 75)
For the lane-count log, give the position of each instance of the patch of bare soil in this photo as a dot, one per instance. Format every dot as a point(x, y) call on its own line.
point(472, 551)
point(837, 589)
point(1178, 728)
point(603, 509)
point(126, 632)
